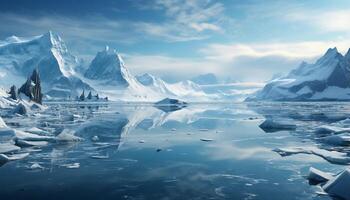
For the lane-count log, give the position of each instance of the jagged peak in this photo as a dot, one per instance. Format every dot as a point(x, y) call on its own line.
point(53, 41)
point(331, 54)
point(347, 55)
point(110, 52)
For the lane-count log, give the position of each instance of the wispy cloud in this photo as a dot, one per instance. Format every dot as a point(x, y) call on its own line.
point(243, 62)
point(288, 50)
point(327, 21)
point(185, 20)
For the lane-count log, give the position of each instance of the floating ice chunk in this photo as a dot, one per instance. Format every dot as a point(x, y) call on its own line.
point(331, 156)
point(95, 138)
point(68, 136)
point(328, 129)
point(141, 141)
point(2, 124)
point(24, 143)
point(206, 139)
point(36, 166)
point(21, 135)
point(71, 165)
point(339, 185)
point(318, 176)
point(99, 157)
point(36, 130)
point(21, 109)
point(272, 125)
point(8, 147)
point(204, 129)
point(173, 129)
point(6, 158)
point(341, 139)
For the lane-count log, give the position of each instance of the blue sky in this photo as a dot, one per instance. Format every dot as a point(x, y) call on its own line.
point(178, 39)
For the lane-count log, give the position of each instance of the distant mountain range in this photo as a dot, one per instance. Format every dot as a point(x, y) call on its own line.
point(327, 79)
point(107, 74)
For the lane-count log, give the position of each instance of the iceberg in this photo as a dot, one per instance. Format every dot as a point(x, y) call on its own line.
point(317, 176)
point(273, 125)
point(339, 185)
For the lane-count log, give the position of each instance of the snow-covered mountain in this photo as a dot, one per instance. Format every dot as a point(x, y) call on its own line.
point(64, 75)
point(108, 74)
point(155, 83)
point(205, 79)
point(327, 79)
point(108, 67)
point(49, 54)
point(186, 90)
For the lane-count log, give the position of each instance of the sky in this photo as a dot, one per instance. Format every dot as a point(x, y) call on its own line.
point(250, 40)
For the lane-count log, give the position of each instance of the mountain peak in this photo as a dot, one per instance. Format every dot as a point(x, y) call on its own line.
point(52, 40)
point(347, 56)
point(108, 66)
point(331, 55)
point(205, 79)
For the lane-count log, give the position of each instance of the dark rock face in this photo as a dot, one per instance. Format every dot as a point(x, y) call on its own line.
point(13, 93)
point(82, 96)
point(89, 95)
point(32, 88)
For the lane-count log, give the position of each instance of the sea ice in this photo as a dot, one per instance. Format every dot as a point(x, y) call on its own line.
point(272, 125)
point(8, 147)
point(68, 136)
point(36, 166)
point(24, 143)
point(71, 165)
point(318, 176)
point(331, 156)
point(21, 135)
point(339, 185)
point(206, 139)
point(341, 139)
point(328, 129)
point(6, 158)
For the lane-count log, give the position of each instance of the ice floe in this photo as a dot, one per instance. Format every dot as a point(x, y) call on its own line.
point(339, 186)
point(24, 143)
point(340, 139)
point(272, 125)
point(21, 135)
point(206, 139)
point(6, 158)
point(317, 176)
point(8, 147)
point(71, 165)
point(334, 185)
point(331, 156)
point(68, 136)
point(36, 166)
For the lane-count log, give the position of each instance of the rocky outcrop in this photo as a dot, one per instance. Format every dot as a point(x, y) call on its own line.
point(32, 88)
point(13, 92)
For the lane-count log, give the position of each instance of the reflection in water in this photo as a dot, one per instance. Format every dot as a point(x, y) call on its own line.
point(118, 157)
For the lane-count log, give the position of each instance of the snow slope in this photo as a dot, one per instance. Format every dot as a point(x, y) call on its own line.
point(205, 79)
point(49, 54)
point(327, 79)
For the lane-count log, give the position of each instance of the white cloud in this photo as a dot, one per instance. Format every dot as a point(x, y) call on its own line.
point(185, 20)
point(328, 21)
point(243, 62)
point(288, 50)
point(172, 68)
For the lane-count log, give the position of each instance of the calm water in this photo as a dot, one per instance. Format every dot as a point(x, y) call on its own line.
point(141, 152)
